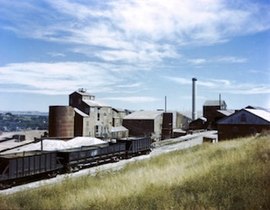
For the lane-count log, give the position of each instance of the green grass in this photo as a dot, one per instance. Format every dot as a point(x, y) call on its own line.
point(229, 175)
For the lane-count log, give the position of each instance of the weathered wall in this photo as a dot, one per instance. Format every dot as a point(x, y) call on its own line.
point(61, 121)
point(139, 127)
point(235, 131)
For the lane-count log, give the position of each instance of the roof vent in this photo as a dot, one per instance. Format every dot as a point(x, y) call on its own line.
point(82, 90)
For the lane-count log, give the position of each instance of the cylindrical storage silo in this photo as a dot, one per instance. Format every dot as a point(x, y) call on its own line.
point(61, 121)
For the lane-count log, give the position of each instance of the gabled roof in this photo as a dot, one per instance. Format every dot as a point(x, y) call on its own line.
point(257, 107)
point(247, 116)
point(83, 93)
point(226, 112)
point(214, 103)
point(203, 119)
point(94, 103)
point(80, 112)
point(143, 115)
point(260, 113)
point(118, 129)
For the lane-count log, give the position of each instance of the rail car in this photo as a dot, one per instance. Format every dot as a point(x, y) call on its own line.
point(75, 159)
point(21, 167)
point(137, 146)
point(24, 167)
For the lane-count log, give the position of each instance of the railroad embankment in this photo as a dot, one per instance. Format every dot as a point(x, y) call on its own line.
point(227, 175)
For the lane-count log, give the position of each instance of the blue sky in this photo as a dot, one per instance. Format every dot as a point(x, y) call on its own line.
point(131, 54)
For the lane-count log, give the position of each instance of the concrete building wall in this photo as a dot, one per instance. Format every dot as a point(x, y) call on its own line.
point(103, 121)
point(180, 121)
point(158, 127)
point(118, 116)
point(99, 120)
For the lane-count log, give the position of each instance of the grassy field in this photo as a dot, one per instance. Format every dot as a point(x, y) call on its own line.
point(228, 175)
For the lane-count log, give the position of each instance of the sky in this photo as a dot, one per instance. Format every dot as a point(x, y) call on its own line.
point(132, 53)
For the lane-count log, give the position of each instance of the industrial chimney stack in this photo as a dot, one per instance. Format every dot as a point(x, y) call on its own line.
point(193, 98)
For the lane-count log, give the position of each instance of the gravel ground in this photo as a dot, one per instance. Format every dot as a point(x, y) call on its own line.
point(170, 145)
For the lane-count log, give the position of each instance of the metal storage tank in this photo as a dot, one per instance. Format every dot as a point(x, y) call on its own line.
point(61, 121)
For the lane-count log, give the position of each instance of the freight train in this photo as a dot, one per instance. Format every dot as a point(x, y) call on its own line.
point(24, 167)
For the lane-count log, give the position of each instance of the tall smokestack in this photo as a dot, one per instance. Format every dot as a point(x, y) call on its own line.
point(193, 98)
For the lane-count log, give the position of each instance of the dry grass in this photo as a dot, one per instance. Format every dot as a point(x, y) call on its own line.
point(229, 175)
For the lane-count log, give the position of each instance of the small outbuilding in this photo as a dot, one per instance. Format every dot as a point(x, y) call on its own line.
point(198, 124)
point(119, 132)
point(243, 123)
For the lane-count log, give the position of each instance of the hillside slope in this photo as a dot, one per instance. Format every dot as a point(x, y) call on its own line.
point(228, 175)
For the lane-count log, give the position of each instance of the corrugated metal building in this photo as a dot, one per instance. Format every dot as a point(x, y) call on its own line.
point(144, 123)
point(198, 124)
point(243, 123)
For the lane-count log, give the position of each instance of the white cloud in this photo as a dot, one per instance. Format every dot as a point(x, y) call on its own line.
point(226, 86)
point(137, 31)
point(133, 99)
point(230, 59)
point(197, 61)
point(133, 85)
point(58, 78)
point(180, 80)
point(219, 59)
point(184, 81)
point(56, 54)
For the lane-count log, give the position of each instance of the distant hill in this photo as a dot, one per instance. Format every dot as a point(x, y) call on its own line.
point(20, 121)
point(26, 113)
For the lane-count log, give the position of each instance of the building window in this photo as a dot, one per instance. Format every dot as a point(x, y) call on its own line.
point(96, 129)
point(98, 116)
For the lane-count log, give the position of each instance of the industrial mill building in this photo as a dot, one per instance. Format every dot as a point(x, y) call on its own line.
point(86, 117)
point(210, 112)
point(242, 123)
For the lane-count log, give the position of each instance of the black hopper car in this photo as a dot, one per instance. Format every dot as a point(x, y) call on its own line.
point(24, 167)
